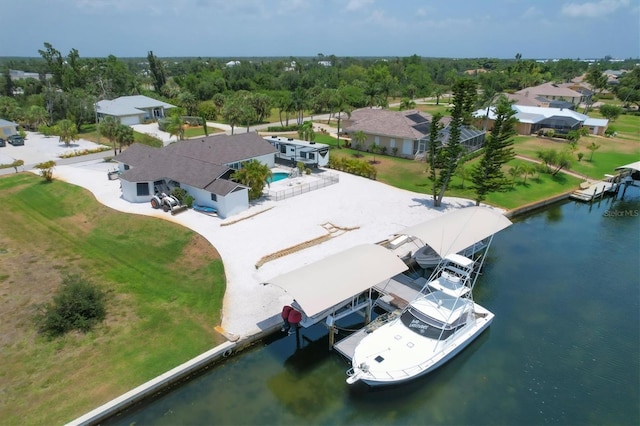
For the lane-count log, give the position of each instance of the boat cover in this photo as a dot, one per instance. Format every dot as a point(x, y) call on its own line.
point(456, 230)
point(633, 166)
point(334, 279)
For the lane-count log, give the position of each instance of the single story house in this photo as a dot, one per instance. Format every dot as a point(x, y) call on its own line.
point(404, 133)
point(561, 120)
point(7, 128)
point(312, 154)
point(132, 110)
point(203, 167)
point(550, 95)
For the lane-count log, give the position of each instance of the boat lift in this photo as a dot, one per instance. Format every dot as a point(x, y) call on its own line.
point(339, 285)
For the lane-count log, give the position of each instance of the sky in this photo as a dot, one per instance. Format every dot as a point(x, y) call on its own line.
point(537, 29)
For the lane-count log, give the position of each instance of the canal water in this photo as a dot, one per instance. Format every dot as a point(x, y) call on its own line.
point(564, 284)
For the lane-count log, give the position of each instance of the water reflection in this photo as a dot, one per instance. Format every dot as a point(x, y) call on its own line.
point(563, 348)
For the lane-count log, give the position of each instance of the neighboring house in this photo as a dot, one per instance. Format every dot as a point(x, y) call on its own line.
point(131, 110)
point(549, 95)
point(561, 120)
point(7, 128)
point(405, 133)
point(202, 167)
point(312, 154)
point(21, 75)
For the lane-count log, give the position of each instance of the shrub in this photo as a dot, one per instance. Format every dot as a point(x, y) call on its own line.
point(394, 151)
point(188, 201)
point(291, 128)
point(611, 131)
point(149, 140)
point(46, 131)
point(46, 169)
point(180, 194)
point(77, 305)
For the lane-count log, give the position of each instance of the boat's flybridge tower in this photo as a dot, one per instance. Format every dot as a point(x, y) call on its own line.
point(339, 285)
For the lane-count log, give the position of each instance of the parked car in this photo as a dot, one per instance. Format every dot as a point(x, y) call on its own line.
point(15, 140)
point(2, 143)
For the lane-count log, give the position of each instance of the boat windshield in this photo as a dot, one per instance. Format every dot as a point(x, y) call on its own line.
point(428, 327)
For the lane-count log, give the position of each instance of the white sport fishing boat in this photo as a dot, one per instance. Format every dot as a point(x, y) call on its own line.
point(441, 321)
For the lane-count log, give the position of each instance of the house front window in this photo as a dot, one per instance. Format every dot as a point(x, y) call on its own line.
point(407, 147)
point(142, 188)
point(392, 143)
point(214, 197)
point(376, 140)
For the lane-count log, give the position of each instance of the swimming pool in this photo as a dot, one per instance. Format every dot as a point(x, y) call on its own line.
point(278, 176)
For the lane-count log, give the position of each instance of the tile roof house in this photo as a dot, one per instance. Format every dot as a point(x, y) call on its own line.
point(131, 110)
point(550, 95)
point(203, 167)
point(404, 132)
point(561, 120)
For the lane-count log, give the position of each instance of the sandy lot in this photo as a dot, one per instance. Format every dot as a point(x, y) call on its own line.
point(372, 210)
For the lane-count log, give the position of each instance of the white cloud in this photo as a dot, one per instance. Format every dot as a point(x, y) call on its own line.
point(593, 9)
point(357, 4)
point(532, 12)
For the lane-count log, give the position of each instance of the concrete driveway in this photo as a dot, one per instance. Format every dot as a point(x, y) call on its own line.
point(38, 148)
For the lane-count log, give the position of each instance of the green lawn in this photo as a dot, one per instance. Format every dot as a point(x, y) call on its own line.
point(165, 286)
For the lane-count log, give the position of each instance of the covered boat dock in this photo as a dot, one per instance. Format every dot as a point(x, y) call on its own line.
point(340, 284)
point(456, 230)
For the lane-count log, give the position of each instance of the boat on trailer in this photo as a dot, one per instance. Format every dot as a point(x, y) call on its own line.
point(439, 323)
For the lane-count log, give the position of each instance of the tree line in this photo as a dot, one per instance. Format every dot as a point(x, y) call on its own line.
point(245, 92)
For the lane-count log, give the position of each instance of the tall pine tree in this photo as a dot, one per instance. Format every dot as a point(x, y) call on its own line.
point(464, 98)
point(434, 152)
point(487, 176)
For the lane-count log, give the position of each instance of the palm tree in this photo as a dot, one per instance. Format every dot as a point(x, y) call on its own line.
point(437, 92)
point(36, 116)
point(305, 132)
point(407, 103)
point(341, 106)
point(359, 138)
point(175, 126)
point(108, 128)
point(124, 136)
point(253, 174)
point(67, 131)
point(593, 147)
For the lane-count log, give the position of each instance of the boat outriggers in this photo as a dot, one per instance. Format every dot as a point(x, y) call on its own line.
point(443, 318)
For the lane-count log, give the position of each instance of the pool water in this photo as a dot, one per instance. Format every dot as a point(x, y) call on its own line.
point(278, 176)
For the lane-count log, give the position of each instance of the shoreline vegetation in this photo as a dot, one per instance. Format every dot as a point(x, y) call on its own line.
point(165, 284)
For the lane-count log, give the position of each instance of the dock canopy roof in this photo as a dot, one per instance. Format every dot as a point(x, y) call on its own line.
point(633, 166)
point(456, 230)
point(334, 279)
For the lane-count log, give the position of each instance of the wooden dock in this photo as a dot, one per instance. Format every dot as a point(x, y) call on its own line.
point(593, 191)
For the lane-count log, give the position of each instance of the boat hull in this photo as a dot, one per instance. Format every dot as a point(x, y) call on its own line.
point(467, 336)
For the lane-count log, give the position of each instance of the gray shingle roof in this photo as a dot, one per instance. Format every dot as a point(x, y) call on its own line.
point(200, 163)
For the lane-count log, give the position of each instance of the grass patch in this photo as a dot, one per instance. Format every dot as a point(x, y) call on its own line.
point(165, 286)
point(613, 152)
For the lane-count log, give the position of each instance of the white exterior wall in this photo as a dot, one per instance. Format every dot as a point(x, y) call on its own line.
point(130, 192)
point(233, 203)
point(269, 160)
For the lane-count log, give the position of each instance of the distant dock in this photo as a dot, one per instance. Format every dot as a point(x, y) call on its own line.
point(594, 190)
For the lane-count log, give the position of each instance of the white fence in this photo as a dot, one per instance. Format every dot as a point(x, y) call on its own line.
point(302, 185)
